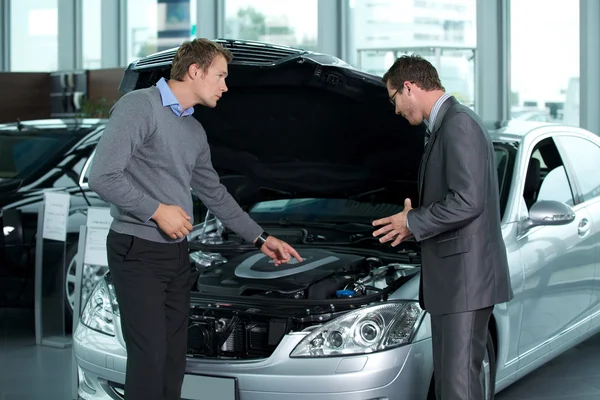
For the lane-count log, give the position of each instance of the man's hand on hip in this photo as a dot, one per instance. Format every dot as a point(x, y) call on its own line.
point(173, 221)
point(279, 250)
point(394, 227)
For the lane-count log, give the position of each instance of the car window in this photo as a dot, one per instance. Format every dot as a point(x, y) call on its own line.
point(546, 177)
point(584, 157)
point(321, 209)
point(538, 156)
point(555, 186)
point(69, 178)
point(315, 209)
point(23, 155)
point(501, 158)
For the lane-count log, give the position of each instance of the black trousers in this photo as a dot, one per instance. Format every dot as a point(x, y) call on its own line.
point(152, 285)
point(459, 341)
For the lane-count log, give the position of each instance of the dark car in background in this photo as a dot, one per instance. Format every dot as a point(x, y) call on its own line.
point(50, 155)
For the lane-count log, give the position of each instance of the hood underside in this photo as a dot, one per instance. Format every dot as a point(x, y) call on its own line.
point(303, 128)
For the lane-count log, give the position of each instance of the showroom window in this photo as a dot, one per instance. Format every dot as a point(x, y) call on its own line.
point(290, 23)
point(33, 35)
point(156, 25)
point(442, 31)
point(92, 34)
point(545, 60)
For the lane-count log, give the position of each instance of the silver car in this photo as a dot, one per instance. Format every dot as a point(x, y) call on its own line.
point(345, 323)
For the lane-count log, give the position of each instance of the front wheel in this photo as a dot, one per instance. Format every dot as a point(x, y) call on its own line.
point(488, 372)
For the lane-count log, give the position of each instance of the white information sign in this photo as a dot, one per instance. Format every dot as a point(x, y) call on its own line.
point(98, 225)
point(56, 212)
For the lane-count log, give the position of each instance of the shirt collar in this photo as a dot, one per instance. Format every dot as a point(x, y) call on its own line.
point(434, 111)
point(169, 99)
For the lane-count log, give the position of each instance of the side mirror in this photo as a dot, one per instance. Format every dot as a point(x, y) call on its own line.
point(548, 213)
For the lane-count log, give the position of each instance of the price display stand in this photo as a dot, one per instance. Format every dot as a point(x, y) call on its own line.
point(50, 270)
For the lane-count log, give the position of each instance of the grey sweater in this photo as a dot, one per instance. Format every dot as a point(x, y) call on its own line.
point(148, 155)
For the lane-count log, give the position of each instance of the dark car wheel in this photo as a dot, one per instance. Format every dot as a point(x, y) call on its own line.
point(488, 373)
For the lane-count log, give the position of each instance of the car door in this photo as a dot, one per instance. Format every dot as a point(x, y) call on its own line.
point(583, 158)
point(555, 259)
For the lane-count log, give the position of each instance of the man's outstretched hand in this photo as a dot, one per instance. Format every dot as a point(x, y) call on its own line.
point(394, 227)
point(279, 250)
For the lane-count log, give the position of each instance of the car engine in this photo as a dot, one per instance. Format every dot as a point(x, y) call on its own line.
point(322, 274)
point(248, 333)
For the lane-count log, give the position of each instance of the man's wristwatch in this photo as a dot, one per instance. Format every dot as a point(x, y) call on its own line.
point(261, 240)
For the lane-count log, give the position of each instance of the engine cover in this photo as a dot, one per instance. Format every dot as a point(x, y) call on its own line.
point(255, 273)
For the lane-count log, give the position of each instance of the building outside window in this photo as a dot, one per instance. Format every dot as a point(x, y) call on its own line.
point(289, 23)
point(156, 25)
point(545, 60)
point(33, 35)
point(92, 34)
point(442, 31)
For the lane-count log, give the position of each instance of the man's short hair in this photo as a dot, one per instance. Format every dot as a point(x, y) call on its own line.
point(201, 52)
point(414, 69)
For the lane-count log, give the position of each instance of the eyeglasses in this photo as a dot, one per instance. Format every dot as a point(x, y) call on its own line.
point(392, 99)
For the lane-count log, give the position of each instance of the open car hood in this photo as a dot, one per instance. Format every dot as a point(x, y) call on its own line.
point(296, 124)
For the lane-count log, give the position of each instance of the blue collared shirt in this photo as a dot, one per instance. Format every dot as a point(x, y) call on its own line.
point(169, 99)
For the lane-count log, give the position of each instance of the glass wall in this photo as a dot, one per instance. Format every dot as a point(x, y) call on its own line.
point(545, 60)
point(33, 35)
point(443, 31)
point(544, 45)
point(92, 34)
point(291, 23)
point(156, 25)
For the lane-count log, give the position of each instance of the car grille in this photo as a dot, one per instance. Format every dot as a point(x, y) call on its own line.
point(244, 53)
point(231, 338)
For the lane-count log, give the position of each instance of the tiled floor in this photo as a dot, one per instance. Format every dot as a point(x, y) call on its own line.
point(30, 372)
point(27, 371)
point(575, 375)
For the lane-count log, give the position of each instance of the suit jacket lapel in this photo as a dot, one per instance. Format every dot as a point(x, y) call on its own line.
point(433, 135)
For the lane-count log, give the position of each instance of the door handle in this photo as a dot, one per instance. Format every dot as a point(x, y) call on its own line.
point(584, 227)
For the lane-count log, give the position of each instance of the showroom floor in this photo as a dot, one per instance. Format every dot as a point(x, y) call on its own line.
point(30, 372)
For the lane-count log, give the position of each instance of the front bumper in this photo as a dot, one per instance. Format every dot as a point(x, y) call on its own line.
point(401, 373)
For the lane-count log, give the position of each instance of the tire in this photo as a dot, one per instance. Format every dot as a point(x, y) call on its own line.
point(488, 372)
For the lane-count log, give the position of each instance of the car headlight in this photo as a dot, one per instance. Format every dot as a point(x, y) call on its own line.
point(367, 330)
point(101, 308)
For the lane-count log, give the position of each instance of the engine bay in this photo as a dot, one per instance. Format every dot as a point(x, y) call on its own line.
point(322, 274)
point(332, 277)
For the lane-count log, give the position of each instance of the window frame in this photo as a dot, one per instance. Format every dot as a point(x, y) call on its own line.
point(571, 169)
point(573, 184)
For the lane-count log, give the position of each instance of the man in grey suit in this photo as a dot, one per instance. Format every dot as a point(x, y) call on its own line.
point(464, 269)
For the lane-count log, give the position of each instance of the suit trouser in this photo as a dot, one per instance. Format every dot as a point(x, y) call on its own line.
point(152, 286)
point(459, 341)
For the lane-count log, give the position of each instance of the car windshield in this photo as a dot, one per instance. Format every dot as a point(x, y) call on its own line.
point(23, 154)
point(344, 210)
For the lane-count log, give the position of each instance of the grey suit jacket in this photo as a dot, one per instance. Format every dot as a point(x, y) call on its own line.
point(464, 261)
